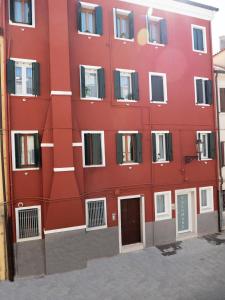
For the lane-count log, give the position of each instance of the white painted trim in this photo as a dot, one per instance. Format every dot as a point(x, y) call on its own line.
point(13, 132)
point(17, 209)
point(176, 7)
point(165, 93)
point(86, 213)
point(91, 67)
point(210, 206)
point(124, 249)
point(125, 70)
point(47, 145)
point(67, 169)
point(195, 89)
point(89, 34)
point(128, 132)
point(204, 38)
point(23, 60)
point(77, 144)
point(88, 5)
point(20, 24)
point(65, 229)
point(192, 198)
point(61, 93)
point(204, 132)
point(102, 144)
point(122, 12)
point(167, 215)
point(160, 131)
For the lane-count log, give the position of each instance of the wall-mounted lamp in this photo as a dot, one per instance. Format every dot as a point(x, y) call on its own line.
point(189, 159)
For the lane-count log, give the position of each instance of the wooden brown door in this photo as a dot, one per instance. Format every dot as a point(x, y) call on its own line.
point(130, 221)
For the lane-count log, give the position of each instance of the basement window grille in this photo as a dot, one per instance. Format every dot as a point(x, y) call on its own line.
point(28, 223)
point(96, 214)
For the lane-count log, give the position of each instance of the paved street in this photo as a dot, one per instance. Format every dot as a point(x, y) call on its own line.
point(193, 269)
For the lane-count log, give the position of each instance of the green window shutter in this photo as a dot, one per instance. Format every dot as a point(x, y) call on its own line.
point(154, 155)
point(117, 88)
point(101, 83)
point(82, 78)
point(195, 34)
point(18, 150)
point(12, 11)
point(199, 90)
point(36, 78)
point(212, 145)
point(149, 28)
point(131, 25)
point(135, 86)
point(11, 84)
point(119, 148)
point(97, 149)
point(208, 91)
point(30, 12)
point(87, 148)
point(157, 88)
point(37, 150)
point(98, 20)
point(79, 25)
point(222, 149)
point(138, 138)
point(200, 43)
point(169, 147)
point(163, 32)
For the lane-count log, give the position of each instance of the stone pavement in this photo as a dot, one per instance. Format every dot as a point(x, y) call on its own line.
point(189, 270)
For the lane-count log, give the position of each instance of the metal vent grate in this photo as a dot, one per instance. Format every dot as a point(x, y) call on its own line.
point(96, 213)
point(28, 223)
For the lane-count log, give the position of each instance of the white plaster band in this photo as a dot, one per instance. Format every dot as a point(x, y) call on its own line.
point(70, 169)
point(61, 93)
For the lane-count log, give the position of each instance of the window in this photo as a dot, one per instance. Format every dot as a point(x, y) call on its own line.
point(92, 83)
point(21, 11)
point(93, 149)
point(23, 78)
point(89, 18)
point(26, 150)
point(208, 150)
point(206, 199)
point(126, 85)
point(28, 223)
point(222, 99)
point(96, 215)
point(163, 206)
point(162, 147)
point(124, 24)
point(157, 31)
point(129, 147)
point(199, 39)
point(203, 91)
point(158, 87)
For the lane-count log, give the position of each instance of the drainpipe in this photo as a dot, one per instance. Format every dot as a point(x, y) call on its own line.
point(220, 184)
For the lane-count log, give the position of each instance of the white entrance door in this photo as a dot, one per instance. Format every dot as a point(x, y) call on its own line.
point(184, 213)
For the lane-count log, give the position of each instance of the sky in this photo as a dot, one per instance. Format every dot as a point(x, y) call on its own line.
point(218, 24)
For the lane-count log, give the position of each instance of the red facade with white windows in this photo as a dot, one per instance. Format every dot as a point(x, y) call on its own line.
point(61, 184)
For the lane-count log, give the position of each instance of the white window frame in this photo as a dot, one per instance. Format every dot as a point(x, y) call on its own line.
point(91, 6)
point(165, 93)
point(204, 95)
point(13, 132)
point(221, 85)
point(22, 60)
point(86, 213)
point(210, 199)
point(102, 144)
point(127, 133)
point(93, 68)
point(204, 158)
point(193, 26)
point(17, 209)
point(157, 133)
point(120, 12)
point(167, 215)
point(156, 19)
point(21, 24)
point(130, 73)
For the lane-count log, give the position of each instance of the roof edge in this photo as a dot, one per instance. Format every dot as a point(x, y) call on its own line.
point(198, 4)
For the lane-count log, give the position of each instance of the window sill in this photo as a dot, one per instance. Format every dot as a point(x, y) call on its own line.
point(205, 159)
point(21, 25)
point(159, 102)
point(202, 104)
point(94, 166)
point(206, 210)
point(96, 228)
point(126, 100)
point(19, 95)
point(200, 52)
point(129, 164)
point(26, 169)
point(124, 39)
point(28, 239)
point(91, 99)
point(156, 44)
point(161, 162)
point(89, 34)
point(163, 217)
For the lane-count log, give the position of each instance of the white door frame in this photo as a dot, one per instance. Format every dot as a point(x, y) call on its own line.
point(192, 210)
point(133, 247)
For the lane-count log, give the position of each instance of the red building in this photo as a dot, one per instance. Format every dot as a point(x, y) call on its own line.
point(112, 128)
